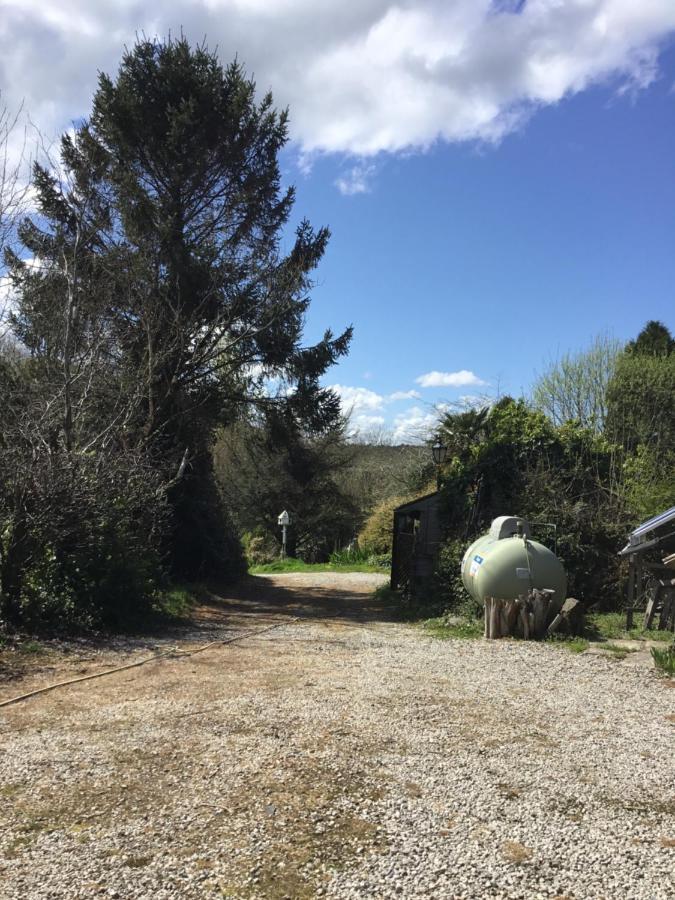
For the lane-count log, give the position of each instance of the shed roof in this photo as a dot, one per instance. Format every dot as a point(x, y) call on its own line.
point(650, 533)
point(418, 501)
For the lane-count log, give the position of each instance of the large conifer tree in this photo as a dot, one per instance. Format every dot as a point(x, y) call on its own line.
point(161, 244)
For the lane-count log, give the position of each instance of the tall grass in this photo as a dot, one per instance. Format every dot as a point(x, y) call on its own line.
point(665, 659)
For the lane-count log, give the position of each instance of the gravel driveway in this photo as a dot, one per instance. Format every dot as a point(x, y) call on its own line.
point(339, 755)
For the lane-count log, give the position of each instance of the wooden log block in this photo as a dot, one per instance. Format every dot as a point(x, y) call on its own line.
point(494, 619)
point(503, 618)
point(511, 616)
point(487, 606)
point(524, 617)
point(568, 609)
point(539, 602)
point(524, 621)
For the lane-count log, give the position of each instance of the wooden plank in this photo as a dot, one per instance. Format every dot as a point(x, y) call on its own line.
point(667, 617)
point(650, 611)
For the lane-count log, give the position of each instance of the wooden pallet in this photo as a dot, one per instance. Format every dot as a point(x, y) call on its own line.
point(661, 601)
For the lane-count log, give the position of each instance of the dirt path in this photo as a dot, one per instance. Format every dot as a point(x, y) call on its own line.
point(341, 755)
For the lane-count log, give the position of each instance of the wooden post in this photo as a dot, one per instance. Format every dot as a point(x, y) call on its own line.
point(651, 606)
point(667, 618)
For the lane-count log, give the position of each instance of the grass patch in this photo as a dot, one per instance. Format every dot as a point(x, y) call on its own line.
point(665, 659)
point(573, 643)
point(31, 648)
point(178, 602)
point(612, 626)
point(282, 566)
point(385, 594)
point(446, 628)
point(615, 648)
point(616, 651)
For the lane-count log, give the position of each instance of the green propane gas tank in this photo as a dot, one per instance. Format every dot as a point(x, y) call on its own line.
point(505, 563)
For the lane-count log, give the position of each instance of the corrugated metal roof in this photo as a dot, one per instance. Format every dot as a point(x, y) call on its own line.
point(662, 519)
point(638, 539)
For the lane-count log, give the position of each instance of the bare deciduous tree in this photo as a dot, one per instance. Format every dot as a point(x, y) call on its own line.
point(574, 387)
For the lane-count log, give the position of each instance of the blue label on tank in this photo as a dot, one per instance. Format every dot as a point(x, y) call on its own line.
point(478, 559)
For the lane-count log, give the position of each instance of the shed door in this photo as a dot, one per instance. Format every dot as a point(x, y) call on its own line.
point(407, 529)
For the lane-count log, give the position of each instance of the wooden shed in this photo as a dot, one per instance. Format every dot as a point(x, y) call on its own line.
point(417, 536)
point(651, 570)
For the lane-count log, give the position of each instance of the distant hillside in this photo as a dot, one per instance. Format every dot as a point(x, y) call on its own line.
point(380, 471)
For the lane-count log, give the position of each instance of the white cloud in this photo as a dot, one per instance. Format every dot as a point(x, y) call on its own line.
point(404, 395)
point(360, 78)
point(474, 401)
point(357, 180)
point(463, 378)
point(414, 425)
point(357, 399)
point(364, 422)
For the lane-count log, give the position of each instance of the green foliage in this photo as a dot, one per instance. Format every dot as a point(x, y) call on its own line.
point(260, 547)
point(376, 535)
point(161, 305)
point(327, 484)
point(263, 469)
point(655, 339)
point(177, 602)
point(641, 402)
point(355, 555)
point(80, 545)
point(511, 458)
point(574, 387)
point(649, 481)
point(446, 593)
point(665, 659)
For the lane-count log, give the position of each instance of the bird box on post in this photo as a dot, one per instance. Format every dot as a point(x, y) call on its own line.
point(284, 520)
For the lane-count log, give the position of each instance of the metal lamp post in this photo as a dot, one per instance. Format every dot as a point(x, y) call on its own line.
point(284, 520)
point(439, 451)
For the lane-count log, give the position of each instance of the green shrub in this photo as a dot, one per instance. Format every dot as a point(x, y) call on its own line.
point(379, 560)
point(446, 593)
point(86, 544)
point(350, 555)
point(665, 659)
point(260, 548)
point(376, 535)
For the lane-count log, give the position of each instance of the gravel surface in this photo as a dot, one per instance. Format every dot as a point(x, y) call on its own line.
point(339, 755)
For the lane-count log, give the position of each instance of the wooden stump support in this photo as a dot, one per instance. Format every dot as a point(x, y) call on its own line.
point(526, 617)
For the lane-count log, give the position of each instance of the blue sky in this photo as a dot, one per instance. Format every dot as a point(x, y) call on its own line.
point(497, 174)
point(496, 259)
